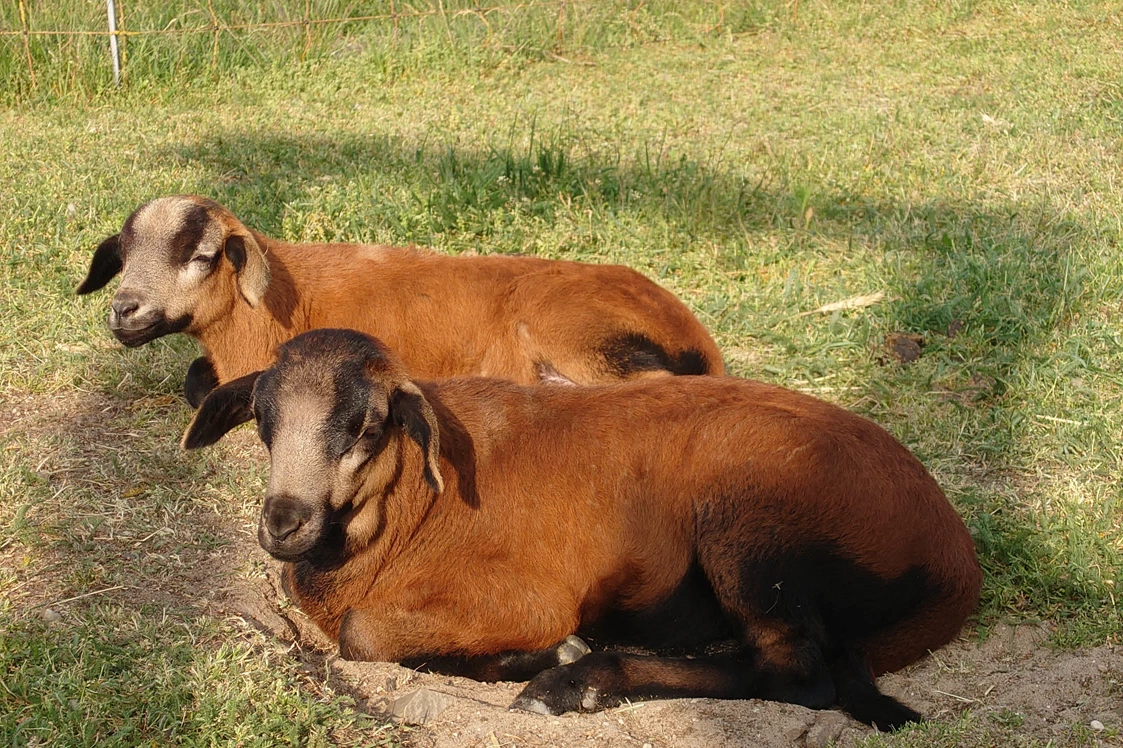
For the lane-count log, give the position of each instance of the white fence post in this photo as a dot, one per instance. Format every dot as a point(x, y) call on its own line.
point(111, 8)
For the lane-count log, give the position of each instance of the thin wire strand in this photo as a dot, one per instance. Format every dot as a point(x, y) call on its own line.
point(210, 29)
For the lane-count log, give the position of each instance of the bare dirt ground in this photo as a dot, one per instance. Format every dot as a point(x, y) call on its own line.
point(1014, 685)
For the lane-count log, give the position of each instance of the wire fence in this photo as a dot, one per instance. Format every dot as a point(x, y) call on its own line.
point(70, 26)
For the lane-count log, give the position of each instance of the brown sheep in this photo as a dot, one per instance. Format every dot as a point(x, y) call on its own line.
point(189, 265)
point(472, 526)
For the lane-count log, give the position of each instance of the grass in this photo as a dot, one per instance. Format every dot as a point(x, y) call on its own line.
point(961, 157)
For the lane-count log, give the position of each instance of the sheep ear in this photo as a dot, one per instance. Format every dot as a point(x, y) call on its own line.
point(249, 262)
point(410, 410)
point(224, 408)
point(106, 264)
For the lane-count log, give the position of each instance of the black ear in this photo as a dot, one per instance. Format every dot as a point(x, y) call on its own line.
point(200, 380)
point(235, 249)
point(106, 264)
point(410, 410)
point(224, 408)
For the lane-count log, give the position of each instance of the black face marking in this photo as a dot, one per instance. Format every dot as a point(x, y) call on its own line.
point(631, 353)
point(350, 409)
point(186, 240)
point(161, 326)
point(265, 406)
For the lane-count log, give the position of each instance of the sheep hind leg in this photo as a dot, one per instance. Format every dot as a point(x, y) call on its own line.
point(506, 666)
point(605, 679)
point(859, 696)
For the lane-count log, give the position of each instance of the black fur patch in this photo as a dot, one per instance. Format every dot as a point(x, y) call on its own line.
point(505, 666)
point(687, 621)
point(859, 697)
point(405, 409)
point(107, 262)
point(828, 596)
point(235, 249)
point(631, 353)
point(223, 409)
point(186, 240)
point(200, 380)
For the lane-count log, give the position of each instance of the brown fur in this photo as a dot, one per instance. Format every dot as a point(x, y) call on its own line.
point(562, 506)
point(520, 318)
point(816, 470)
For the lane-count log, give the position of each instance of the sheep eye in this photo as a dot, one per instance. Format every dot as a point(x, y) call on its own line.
point(366, 437)
point(202, 260)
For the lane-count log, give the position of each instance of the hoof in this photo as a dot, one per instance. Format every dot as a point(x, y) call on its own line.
point(562, 689)
point(525, 704)
point(572, 649)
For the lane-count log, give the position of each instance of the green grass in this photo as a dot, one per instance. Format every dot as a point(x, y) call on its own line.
point(962, 157)
point(159, 682)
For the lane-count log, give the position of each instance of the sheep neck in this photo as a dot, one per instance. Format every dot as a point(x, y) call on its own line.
point(379, 534)
point(245, 340)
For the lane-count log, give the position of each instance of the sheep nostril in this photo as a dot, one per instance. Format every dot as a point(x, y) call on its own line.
point(283, 528)
point(123, 308)
point(283, 517)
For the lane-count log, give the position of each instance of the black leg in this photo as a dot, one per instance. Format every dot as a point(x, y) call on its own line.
point(510, 666)
point(859, 697)
point(605, 679)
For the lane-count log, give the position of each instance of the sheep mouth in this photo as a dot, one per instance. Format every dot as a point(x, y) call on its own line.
point(310, 541)
point(134, 336)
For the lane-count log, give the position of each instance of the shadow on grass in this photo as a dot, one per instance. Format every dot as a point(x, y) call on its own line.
point(1001, 279)
point(1006, 270)
point(115, 629)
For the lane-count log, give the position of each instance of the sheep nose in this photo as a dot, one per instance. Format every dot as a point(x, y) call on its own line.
point(124, 306)
point(283, 515)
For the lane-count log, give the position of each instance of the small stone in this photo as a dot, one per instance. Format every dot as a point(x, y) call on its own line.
point(794, 731)
point(648, 745)
point(903, 348)
point(1096, 725)
point(420, 707)
point(828, 726)
point(50, 615)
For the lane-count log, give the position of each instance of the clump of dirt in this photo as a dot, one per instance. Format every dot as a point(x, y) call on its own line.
point(1012, 683)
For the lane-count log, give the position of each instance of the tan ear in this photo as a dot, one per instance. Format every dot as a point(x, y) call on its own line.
point(410, 410)
point(248, 259)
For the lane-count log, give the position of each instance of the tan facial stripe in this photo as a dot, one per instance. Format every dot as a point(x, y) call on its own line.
point(299, 466)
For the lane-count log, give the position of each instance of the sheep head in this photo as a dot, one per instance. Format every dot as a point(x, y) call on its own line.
point(339, 416)
point(184, 261)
